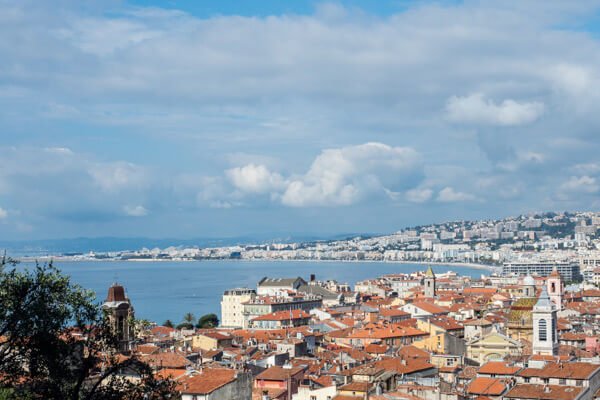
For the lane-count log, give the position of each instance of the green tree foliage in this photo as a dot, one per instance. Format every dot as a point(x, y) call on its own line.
point(57, 344)
point(168, 323)
point(189, 318)
point(208, 321)
point(185, 325)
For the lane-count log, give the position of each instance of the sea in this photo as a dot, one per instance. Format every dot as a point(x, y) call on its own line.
point(169, 289)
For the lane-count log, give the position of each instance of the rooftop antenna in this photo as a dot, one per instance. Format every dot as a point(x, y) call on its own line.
point(116, 279)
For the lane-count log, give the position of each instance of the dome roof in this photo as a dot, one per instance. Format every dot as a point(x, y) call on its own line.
point(116, 293)
point(528, 281)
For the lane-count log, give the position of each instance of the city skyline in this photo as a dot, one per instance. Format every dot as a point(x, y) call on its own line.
point(189, 119)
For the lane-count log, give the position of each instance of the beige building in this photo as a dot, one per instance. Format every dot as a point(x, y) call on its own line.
point(212, 340)
point(232, 306)
point(492, 347)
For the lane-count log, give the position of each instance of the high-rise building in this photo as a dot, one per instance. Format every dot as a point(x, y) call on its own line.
point(568, 270)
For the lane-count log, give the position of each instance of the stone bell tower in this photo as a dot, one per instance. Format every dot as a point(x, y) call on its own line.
point(556, 288)
point(429, 282)
point(119, 312)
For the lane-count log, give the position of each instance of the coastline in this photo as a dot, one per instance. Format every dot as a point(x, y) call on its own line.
point(435, 263)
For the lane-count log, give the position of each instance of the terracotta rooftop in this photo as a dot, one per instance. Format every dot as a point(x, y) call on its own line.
point(498, 368)
point(277, 373)
point(543, 392)
point(166, 360)
point(283, 315)
point(566, 370)
point(487, 386)
point(209, 380)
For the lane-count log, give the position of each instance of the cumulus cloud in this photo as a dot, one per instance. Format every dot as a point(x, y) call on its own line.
point(476, 109)
point(450, 195)
point(349, 174)
point(135, 211)
point(117, 175)
point(254, 178)
point(580, 184)
point(62, 184)
point(419, 195)
point(181, 88)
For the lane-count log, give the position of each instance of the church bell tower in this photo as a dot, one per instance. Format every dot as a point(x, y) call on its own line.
point(545, 331)
point(119, 312)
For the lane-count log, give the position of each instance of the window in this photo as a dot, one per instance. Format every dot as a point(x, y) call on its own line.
point(313, 397)
point(553, 287)
point(542, 331)
point(579, 383)
point(553, 330)
point(562, 381)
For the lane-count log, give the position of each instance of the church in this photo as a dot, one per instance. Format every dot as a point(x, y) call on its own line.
point(120, 314)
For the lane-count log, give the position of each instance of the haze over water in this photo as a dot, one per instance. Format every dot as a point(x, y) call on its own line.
point(168, 290)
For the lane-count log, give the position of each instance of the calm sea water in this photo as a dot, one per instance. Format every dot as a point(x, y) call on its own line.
point(168, 290)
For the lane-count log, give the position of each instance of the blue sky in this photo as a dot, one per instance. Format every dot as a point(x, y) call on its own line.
point(208, 119)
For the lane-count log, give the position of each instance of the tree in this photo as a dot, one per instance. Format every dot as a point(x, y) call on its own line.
point(58, 344)
point(168, 323)
point(185, 325)
point(189, 318)
point(208, 321)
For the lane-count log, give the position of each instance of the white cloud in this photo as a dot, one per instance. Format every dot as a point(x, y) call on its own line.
point(419, 195)
point(117, 175)
point(254, 178)
point(581, 184)
point(135, 211)
point(449, 195)
point(347, 175)
point(476, 109)
point(3, 213)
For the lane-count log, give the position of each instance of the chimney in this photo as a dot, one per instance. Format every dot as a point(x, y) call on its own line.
point(265, 395)
point(312, 277)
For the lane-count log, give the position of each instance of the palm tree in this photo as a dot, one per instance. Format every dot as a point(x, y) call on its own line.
point(189, 318)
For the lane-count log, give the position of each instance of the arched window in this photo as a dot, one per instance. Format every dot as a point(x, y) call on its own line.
point(542, 334)
point(553, 290)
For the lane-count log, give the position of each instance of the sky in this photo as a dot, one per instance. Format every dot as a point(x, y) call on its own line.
point(226, 118)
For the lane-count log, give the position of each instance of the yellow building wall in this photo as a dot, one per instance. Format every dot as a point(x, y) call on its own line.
point(204, 342)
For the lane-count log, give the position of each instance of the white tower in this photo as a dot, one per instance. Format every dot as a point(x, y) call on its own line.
point(556, 288)
point(545, 333)
point(429, 283)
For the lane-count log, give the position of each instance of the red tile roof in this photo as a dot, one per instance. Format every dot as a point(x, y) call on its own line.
point(566, 370)
point(498, 368)
point(543, 392)
point(209, 380)
point(487, 386)
point(277, 373)
point(283, 316)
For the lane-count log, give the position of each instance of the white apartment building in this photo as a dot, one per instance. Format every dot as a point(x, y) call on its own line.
point(232, 306)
